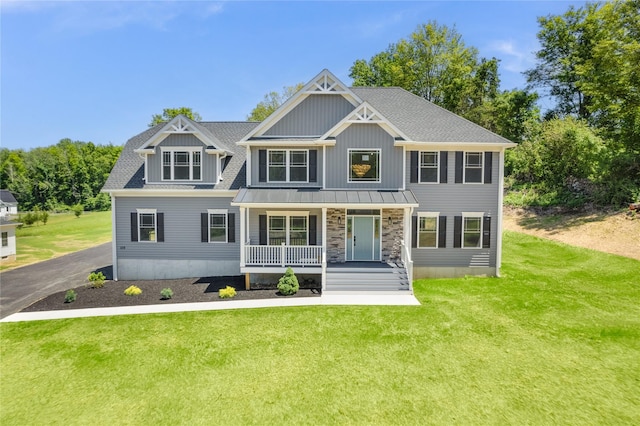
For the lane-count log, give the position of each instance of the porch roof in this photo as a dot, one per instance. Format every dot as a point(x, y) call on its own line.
point(280, 197)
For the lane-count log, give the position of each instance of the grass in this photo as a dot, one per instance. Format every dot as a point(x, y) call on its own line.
point(555, 341)
point(64, 233)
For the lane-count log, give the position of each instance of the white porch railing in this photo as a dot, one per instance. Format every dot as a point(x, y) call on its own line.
point(283, 255)
point(408, 263)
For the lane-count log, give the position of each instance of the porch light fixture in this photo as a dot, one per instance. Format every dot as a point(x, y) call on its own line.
point(339, 220)
point(390, 221)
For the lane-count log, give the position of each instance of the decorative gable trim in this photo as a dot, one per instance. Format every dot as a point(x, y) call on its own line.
point(183, 125)
point(324, 83)
point(365, 114)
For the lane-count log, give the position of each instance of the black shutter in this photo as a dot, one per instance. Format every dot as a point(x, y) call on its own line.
point(457, 231)
point(160, 227)
point(313, 230)
point(204, 227)
point(488, 164)
point(442, 232)
point(262, 223)
point(413, 164)
point(231, 227)
point(444, 166)
point(134, 226)
point(486, 232)
point(262, 165)
point(414, 231)
point(313, 165)
point(459, 165)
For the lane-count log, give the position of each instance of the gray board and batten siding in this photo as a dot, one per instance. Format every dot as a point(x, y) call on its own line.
point(364, 136)
point(450, 199)
point(209, 161)
point(182, 253)
point(314, 116)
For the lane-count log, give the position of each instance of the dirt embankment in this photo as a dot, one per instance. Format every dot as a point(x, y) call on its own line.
point(616, 232)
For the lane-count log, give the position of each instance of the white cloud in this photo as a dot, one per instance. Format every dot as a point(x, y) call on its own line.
point(513, 57)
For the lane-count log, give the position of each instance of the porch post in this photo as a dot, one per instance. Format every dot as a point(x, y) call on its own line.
point(242, 237)
point(324, 248)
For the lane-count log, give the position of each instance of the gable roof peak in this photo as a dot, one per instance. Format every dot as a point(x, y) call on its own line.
point(325, 83)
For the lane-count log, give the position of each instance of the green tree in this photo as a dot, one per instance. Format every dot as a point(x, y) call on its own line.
point(272, 102)
point(565, 43)
point(169, 113)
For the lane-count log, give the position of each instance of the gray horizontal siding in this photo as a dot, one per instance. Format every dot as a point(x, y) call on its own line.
point(255, 165)
point(366, 136)
point(181, 229)
point(313, 116)
point(254, 230)
point(450, 200)
point(209, 161)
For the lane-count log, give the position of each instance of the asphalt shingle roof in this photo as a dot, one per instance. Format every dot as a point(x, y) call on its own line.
point(419, 119)
point(128, 172)
point(7, 197)
point(424, 121)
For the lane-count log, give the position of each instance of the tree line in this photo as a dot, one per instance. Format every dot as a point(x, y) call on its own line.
point(60, 177)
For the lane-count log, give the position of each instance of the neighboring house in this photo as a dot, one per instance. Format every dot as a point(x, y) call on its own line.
point(334, 178)
point(8, 203)
point(8, 234)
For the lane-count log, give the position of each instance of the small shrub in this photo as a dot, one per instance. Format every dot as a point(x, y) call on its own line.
point(132, 291)
point(44, 217)
point(70, 296)
point(166, 293)
point(96, 279)
point(288, 283)
point(29, 218)
point(227, 292)
point(77, 209)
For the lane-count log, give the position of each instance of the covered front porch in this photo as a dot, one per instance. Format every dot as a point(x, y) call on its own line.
point(310, 231)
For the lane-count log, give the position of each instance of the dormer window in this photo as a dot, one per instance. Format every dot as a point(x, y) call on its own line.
point(181, 164)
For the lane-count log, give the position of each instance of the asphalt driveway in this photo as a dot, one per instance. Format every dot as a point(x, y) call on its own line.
point(21, 287)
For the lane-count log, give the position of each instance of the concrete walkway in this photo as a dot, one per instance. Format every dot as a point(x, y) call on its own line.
point(328, 299)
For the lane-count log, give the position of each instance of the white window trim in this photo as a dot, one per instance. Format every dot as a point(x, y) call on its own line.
point(172, 150)
point(155, 224)
point(350, 150)
point(288, 215)
point(420, 168)
point(479, 215)
point(464, 168)
point(287, 166)
point(428, 214)
point(224, 212)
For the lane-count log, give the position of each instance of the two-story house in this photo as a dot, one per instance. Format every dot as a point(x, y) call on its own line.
point(360, 187)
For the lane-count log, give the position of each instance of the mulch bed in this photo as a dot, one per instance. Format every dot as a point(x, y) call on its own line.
point(189, 290)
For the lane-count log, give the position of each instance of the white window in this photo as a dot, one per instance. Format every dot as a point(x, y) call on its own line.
point(181, 164)
point(428, 230)
point(429, 167)
point(147, 230)
point(290, 228)
point(473, 167)
point(288, 165)
point(217, 226)
point(364, 165)
point(5, 239)
point(472, 230)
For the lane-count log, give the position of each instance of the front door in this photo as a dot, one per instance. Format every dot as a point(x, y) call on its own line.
point(364, 238)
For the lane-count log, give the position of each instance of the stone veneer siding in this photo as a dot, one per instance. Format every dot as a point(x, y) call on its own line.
point(392, 234)
point(335, 235)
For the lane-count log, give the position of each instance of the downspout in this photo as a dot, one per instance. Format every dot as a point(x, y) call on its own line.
point(220, 158)
point(114, 242)
point(500, 207)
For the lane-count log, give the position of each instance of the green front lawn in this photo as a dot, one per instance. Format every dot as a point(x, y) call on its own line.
point(64, 233)
point(555, 341)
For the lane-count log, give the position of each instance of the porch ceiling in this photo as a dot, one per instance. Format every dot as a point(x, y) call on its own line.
point(265, 197)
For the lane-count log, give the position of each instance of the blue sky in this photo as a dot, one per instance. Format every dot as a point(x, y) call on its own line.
point(97, 70)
